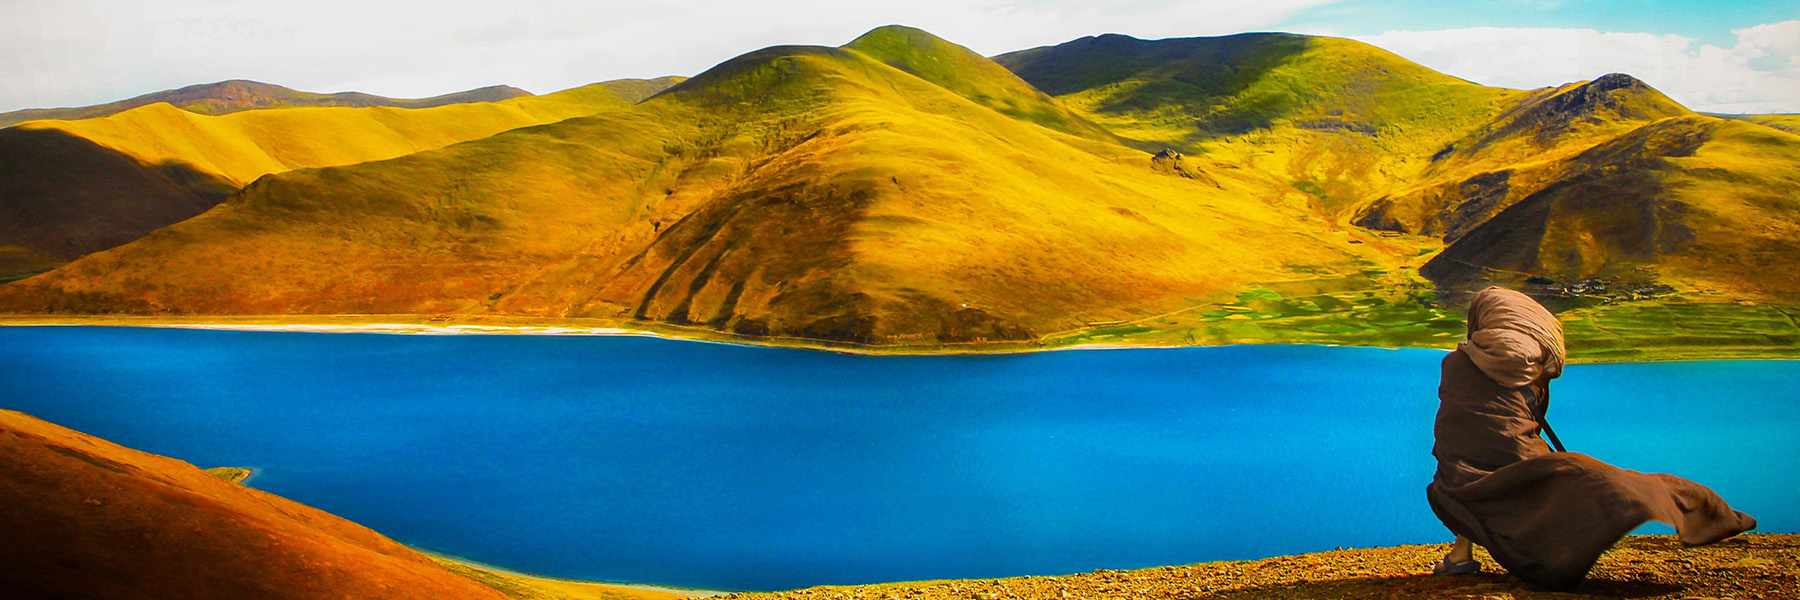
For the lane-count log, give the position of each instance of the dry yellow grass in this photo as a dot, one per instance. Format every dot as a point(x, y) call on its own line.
point(242, 146)
point(529, 587)
point(69, 188)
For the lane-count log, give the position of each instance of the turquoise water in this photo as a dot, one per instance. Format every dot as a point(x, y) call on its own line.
point(730, 467)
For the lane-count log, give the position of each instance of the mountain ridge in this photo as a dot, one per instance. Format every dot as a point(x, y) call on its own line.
point(1660, 200)
point(1472, 178)
point(234, 95)
point(924, 55)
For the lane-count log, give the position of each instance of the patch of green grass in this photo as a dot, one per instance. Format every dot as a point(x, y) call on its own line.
point(1626, 331)
point(970, 75)
point(1311, 189)
point(1403, 317)
point(1675, 330)
point(231, 474)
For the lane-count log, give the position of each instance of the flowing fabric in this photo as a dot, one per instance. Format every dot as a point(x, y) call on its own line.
point(1545, 516)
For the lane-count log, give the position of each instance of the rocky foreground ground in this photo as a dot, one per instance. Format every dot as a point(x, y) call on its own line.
point(1750, 567)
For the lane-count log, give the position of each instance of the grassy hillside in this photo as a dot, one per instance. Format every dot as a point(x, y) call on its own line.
point(638, 90)
point(1704, 203)
point(970, 75)
point(1331, 121)
point(1786, 122)
point(1605, 199)
point(796, 191)
point(239, 95)
point(62, 196)
point(74, 187)
point(1610, 183)
point(901, 192)
point(241, 147)
point(1185, 90)
point(1525, 149)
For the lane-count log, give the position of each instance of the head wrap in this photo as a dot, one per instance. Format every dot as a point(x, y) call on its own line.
point(1513, 339)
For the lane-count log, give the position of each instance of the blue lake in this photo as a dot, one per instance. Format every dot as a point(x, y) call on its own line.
point(708, 465)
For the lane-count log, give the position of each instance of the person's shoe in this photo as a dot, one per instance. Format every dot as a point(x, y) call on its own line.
point(1445, 567)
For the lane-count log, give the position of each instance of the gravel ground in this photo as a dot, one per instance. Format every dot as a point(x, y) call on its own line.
point(1749, 567)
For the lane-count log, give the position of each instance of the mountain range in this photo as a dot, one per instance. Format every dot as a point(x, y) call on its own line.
point(901, 191)
point(237, 95)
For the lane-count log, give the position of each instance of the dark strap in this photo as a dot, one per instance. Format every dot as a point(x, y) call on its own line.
point(1542, 405)
point(1550, 432)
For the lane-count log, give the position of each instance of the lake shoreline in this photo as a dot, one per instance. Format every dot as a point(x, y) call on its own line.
point(531, 326)
point(470, 563)
point(537, 403)
point(359, 324)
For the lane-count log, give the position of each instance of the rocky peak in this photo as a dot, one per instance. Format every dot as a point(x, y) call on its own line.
point(1169, 161)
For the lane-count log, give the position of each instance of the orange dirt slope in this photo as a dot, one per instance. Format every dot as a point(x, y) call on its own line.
point(86, 518)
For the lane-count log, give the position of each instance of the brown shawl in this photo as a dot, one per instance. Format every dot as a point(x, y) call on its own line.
point(1545, 516)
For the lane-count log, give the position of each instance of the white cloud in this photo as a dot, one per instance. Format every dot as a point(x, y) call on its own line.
point(77, 52)
point(1771, 47)
point(1760, 74)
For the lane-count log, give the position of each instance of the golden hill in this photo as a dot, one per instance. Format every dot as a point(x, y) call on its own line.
point(238, 95)
point(795, 191)
point(1184, 91)
point(1788, 122)
point(1329, 121)
point(1607, 180)
point(1523, 150)
point(86, 518)
point(972, 76)
point(240, 147)
point(62, 196)
point(73, 187)
point(1424, 159)
point(1704, 202)
point(903, 192)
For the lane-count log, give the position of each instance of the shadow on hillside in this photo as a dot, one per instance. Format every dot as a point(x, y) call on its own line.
point(1206, 78)
point(63, 196)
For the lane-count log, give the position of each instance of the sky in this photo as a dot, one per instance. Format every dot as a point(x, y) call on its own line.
point(1738, 56)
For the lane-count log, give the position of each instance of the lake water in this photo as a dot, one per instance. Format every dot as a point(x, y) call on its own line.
point(638, 459)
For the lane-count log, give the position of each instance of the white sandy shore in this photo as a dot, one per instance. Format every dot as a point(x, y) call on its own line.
point(424, 329)
point(546, 330)
point(417, 329)
point(673, 589)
